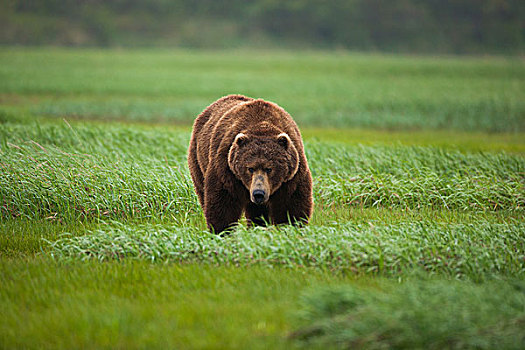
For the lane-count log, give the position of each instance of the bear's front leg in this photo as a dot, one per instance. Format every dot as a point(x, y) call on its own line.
point(257, 215)
point(221, 209)
point(295, 208)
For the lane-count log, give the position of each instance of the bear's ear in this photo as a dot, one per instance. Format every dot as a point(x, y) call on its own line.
point(284, 140)
point(240, 139)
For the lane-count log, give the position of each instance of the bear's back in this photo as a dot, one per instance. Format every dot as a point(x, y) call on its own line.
point(204, 125)
point(207, 120)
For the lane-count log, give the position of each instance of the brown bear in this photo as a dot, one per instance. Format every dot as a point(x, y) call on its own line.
point(246, 155)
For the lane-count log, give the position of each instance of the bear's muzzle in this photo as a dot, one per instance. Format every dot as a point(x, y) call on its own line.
point(260, 188)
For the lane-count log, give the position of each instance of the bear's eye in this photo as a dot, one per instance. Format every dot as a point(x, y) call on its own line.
point(267, 170)
point(251, 170)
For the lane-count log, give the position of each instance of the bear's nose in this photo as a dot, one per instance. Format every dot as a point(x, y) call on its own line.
point(258, 196)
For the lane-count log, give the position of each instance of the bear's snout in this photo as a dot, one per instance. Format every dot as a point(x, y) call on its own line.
point(260, 188)
point(258, 196)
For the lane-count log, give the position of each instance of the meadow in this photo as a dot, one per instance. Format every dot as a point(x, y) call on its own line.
point(418, 234)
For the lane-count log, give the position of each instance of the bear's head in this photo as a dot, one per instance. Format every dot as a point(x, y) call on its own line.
point(263, 163)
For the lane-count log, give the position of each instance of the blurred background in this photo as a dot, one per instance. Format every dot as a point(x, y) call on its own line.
point(408, 26)
point(374, 64)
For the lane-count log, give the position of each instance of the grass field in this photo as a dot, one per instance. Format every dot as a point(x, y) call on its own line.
point(418, 235)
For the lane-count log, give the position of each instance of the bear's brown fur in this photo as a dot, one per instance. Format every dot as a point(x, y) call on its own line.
point(246, 155)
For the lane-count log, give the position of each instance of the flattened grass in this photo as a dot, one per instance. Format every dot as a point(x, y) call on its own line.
point(21, 238)
point(465, 142)
point(136, 305)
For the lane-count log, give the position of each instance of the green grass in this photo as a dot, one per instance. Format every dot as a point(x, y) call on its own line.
point(417, 239)
point(323, 89)
point(424, 314)
point(26, 238)
point(472, 251)
point(57, 171)
point(446, 139)
point(134, 304)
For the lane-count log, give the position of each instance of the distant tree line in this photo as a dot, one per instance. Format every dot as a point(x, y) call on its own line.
point(423, 26)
